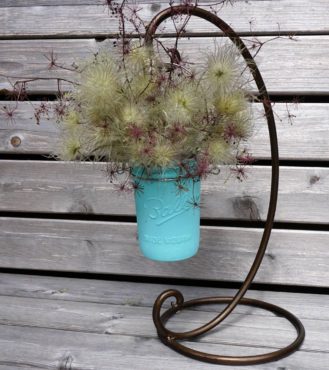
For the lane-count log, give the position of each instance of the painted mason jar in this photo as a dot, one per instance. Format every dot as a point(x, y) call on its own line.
point(168, 213)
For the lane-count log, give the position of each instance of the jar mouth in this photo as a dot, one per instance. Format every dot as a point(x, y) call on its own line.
point(171, 173)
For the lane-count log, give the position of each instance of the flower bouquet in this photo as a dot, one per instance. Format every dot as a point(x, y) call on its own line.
point(161, 124)
point(162, 127)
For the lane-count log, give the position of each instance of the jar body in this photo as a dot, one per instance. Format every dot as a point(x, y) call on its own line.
point(168, 214)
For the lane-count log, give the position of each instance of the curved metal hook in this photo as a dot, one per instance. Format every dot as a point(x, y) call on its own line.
point(192, 10)
point(169, 337)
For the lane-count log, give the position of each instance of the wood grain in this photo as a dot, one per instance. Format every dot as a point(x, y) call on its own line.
point(287, 66)
point(18, 367)
point(82, 188)
point(303, 131)
point(293, 257)
point(23, 3)
point(47, 348)
point(90, 20)
point(59, 332)
point(144, 294)
point(240, 329)
point(136, 321)
point(66, 323)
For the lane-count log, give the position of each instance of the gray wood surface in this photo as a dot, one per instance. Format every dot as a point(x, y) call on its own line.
point(245, 329)
point(287, 66)
point(66, 323)
point(91, 20)
point(59, 3)
point(144, 294)
point(50, 348)
point(17, 367)
point(101, 334)
point(293, 257)
point(69, 187)
point(303, 131)
point(16, 3)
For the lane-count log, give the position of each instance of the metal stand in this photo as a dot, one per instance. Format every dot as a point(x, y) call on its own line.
point(171, 338)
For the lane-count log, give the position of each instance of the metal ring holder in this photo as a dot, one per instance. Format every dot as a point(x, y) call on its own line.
point(172, 338)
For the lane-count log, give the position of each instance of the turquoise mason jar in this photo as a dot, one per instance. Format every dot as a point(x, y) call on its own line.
point(168, 213)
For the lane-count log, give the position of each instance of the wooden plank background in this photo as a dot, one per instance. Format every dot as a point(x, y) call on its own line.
point(57, 187)
point(294, 257)
point(288, 67)
point(74, 29)
point(65, 217)
point(303, 136)
point(100, 323)
point(67, 18)
point(49, 347)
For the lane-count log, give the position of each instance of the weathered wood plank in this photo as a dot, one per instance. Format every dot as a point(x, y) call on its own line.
point(5, 367)
point(287, 66)
point(17, 3)
point(303, 136)
point(49, 348)
point(133, 320)
point(69, 187)
point(240, 329)
point(225, 253)
point(143, 294)
point(23, 135)
point(136, 321)
point(60, 3)
point(94, 19)
point(17, 367)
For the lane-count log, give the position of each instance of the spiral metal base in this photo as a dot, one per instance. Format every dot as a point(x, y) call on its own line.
point(171, 338)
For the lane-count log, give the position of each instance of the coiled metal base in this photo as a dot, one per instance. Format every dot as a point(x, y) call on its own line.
point(171, 339)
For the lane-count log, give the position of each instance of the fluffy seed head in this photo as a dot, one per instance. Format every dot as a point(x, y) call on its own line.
point(222, 68)
point(71, 120)
point(140, 57)
point(99, 92)
point(132, 114)
point(69, 148)
point(163, 155)
point(181, 104)
point(239, 127)
point(135, 132)
point(219, 152)
point(230, 104)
